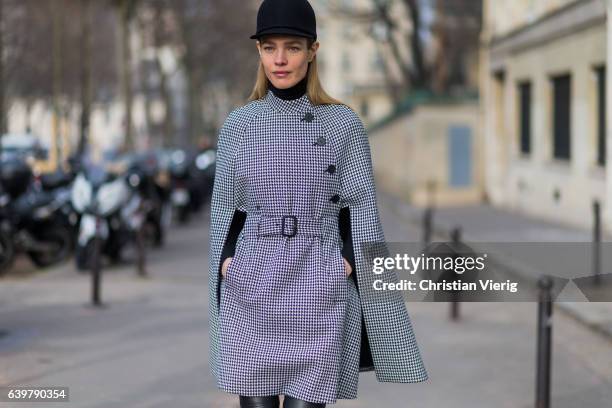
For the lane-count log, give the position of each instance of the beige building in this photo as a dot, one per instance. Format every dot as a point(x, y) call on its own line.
point(432, 154)
point(429, 150)
point(543, 88)
point(350, 59)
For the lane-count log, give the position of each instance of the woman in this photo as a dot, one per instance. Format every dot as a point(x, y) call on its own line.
point(294, 221)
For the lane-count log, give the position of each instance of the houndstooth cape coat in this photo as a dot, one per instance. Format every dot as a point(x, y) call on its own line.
point(375, 330)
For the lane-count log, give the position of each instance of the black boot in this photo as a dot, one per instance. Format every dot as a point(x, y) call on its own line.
point(259, 402)
point(291, 402)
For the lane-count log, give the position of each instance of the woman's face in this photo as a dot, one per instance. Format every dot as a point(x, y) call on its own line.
point(285, 58)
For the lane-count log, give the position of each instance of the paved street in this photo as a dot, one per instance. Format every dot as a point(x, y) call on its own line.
point(563, 250)
point(149, 347)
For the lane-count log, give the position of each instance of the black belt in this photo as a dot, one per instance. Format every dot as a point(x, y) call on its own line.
point(289, 226)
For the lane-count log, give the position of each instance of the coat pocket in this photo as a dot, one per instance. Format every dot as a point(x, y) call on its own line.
point(339, 281)
point(241, 275)
point(233, 269)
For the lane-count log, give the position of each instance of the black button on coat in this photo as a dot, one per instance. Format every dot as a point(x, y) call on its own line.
point(308, 117)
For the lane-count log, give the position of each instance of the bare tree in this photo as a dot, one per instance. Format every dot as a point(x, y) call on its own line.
point(86, 51)
point(382, 22)
point(71, 67)
point(419, 74)
point(29, 64)
point(160, 37)
point(125, 10)
point(2, 110)
point(212, 49)
point(455, 30)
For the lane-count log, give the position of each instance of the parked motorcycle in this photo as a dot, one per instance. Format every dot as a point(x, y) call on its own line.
point(60, 184)
point(7, 249)
point(145, 169)
point(111, 212)
point(32, 218)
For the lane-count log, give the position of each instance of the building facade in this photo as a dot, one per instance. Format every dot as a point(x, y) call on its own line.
point(543, 98)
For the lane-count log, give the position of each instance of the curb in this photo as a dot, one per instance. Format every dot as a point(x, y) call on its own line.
point(413, 216)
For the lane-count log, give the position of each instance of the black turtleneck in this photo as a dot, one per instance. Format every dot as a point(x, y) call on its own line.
point(293, 92)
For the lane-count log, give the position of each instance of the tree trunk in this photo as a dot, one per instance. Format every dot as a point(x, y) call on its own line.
point(168, 127)
point(195, 105)
point(57, 11)
point(418, 75)
point(126, 73)
point(169, 130)
point(3, 125)
point(85, 75)
point(382, 10)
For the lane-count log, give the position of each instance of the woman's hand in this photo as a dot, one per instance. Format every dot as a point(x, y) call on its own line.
point(347, 267)
point(225, 265)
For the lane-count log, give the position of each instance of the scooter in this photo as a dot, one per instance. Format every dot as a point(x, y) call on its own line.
point(111, 212)
point(31, 220)
point(39, 227)
point(154, 190)
point(7, 249)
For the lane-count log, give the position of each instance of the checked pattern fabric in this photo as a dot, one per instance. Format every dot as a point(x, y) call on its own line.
point(286, 319)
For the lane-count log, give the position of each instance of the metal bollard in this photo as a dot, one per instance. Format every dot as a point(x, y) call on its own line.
point(140, 245)
point(455, 295)
point(596, 242)
point(96, 273)
point(140, 238)
point(427, 226)
point(544, 343)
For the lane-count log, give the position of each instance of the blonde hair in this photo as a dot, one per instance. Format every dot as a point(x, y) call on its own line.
point(314, 89)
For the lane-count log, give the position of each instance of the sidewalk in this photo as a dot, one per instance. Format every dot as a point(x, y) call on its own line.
point(149, 347)
point(483, 224)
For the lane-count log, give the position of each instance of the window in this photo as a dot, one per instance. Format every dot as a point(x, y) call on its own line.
point(561, 117)
point(600, 73)
point(525, 117)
